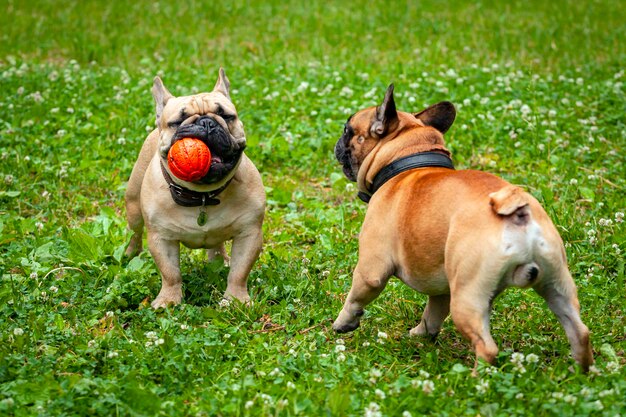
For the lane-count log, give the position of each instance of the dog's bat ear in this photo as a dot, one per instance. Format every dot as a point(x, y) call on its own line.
point(222, 85)
point(161, 97)
point(386, 116)
point(440, 116)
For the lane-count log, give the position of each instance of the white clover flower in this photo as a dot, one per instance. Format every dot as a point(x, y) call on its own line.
point(406, 414)
point(382, 335)
point(33, 275)
point(380, 394)
point(619, 217)
point(557, 395)
point(113, 354)
point(149, 343)
point(290, 385)
point(340, 348)
point(598, 405)
point(482, 387)
point(424, 374)
point(532, 358)
point(573, 181)
point(282, 403)
point(519, 395)
point(570, 399)
point(249, 404)
point(18, 331)
point(586, 392)
point(159, 342)
point(428, 386)
point(365, 344)
point(517, 358)
point(612, 367)
point(224, 303)
point(226, 336)
point(54, 289)
point(606, 393)
point(267, 399)
point(341, 357)
point(594, 370)
point(372, 410)
point(184, 326)
point(110, 314)
point(151, 335)
point(376, 373)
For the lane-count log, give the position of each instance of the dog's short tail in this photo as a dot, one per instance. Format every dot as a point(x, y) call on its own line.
point(511, 202)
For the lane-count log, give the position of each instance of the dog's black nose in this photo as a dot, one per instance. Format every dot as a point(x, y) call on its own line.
point(207, 122)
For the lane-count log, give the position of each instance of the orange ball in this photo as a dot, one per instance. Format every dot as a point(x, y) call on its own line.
point(189, 159)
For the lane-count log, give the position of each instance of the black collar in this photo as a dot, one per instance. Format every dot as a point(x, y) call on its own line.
point(189, 198)
point(418, 160)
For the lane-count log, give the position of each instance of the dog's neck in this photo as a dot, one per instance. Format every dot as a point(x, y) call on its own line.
point(401, 143)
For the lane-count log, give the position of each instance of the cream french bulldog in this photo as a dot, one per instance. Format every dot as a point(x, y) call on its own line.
point(461, 237)
point(228, 203)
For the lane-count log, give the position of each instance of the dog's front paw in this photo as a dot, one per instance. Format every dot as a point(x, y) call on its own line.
point(347, 322)
point(345, 327)
point(421, 331)
point(241, 295)
point(167, 298)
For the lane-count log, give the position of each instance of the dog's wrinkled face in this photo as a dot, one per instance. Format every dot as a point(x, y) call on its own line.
point(365, 129)
point(210, 117)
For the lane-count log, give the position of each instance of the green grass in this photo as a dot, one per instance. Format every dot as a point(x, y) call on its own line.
point(540, 99)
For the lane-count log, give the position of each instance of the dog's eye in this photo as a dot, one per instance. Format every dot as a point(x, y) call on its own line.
point(173, 124)
point(228, 117)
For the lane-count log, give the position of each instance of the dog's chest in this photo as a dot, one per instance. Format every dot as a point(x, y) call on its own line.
point(182, 225)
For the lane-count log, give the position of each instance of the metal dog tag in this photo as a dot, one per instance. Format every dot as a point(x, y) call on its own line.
point(202, 216)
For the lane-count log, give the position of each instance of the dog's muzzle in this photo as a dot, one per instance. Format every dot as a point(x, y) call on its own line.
point(343, 156)
point(225, 152)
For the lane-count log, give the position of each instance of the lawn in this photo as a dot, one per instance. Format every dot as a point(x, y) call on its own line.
point(539, 91)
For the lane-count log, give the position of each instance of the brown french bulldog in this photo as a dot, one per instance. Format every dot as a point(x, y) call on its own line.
point(227, 203)
point(461, 237)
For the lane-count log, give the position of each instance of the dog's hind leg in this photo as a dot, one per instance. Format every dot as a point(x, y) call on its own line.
point(369, 279)
point(245, 251)
point(434, 315)
point(133, 194)
point(218, 251)
point(560, 295)
point(470, 305)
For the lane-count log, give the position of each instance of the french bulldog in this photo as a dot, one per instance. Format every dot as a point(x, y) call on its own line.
point(461, 237)
point(228, 203)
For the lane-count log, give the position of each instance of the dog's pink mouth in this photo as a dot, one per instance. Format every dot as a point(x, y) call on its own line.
point(215, 159)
